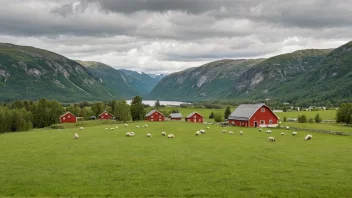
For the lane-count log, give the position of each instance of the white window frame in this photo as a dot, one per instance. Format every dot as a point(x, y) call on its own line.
point(270, 121)
point(262, 109)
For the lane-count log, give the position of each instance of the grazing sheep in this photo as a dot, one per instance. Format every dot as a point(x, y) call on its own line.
point(282, 133)
point(149, 135)
point(231, 133)
point(132, 133)
point(126, 125)
point(117, 127)
point(197, 132)
point(163, 133)
point(208, 127)
point(294, 133)
point(224, 131)
point(129, 134)
point(137, 126)
point(106, 128)
point(76, 136)
point(202, 131)
point(142, 126)
point(267, 131)
point(241, 132)
point(271, 139)
point(81, 128)
point(171, 136)
point(146, 125)
point(112, 128)
point(260, 130)
point(308, 137)
point(287, 127)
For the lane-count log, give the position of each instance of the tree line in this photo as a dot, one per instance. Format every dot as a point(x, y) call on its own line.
point(25, 115)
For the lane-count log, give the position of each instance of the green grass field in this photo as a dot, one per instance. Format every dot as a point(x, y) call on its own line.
point(105, 163)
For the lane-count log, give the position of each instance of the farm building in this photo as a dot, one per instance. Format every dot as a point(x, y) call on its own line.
point(175, 116)
point(68, 117)
point(106, 116)
point(194, 117)
point(155, 116)
point(253, 115)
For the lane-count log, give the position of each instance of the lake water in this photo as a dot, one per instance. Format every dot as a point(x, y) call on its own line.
point(152, 102)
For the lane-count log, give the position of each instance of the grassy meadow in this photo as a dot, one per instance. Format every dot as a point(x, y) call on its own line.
point(105, 163)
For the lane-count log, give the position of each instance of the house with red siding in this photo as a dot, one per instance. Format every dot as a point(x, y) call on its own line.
point(68, 118)
point(175, 116)
point(106, 116)
point(253, 115)
point(194, 117)
point(154, 116)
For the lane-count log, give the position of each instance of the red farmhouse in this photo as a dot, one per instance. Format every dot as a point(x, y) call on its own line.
point(106, 116)
point(175, 116)
point(68, 117)
point(194, 117)
point(253, 115)
point(155, 116)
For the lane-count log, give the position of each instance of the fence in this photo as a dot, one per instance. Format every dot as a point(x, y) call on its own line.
point(323, 131)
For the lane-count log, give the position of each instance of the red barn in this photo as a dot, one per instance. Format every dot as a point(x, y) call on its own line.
point(175, 116)
point(155, 116)
point(106, 116)
point(253, 115)
point(194, 117)
point(68, 117)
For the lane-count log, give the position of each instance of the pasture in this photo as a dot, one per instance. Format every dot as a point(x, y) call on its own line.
point(106, 163)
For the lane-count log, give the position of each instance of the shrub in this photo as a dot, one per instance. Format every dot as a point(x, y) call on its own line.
point(311, 120)
point(218, 117)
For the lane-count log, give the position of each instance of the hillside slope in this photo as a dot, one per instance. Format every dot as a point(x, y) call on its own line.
point(31, 73)
point(206, 82)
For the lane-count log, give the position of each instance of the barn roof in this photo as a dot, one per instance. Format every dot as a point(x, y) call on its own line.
point(246, 111)
point(190, 115)
point(67, 113)
point(175, 115)
point(105, 112)
point(151, 112)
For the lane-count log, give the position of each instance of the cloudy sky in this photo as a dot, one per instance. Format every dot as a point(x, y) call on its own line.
point(170, 35)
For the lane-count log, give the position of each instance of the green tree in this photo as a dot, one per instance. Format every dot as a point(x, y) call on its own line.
point(227, 112)
point(98, 108)
point(122, 111)
point(137, 108)
point(344, 113)
point(211, 116)
point(285, 119)
point(310, 120)
point(218, 117)
point(317, 118)
point(302, 119)
point(157, 104)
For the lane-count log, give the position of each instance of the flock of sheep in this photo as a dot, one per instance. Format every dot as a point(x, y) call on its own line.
point(202, 131)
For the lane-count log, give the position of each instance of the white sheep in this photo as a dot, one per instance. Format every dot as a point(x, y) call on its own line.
point(132, 133)
point(106, 128)
point(224, 131)
point(202, 131)
point(260, 130)
point(76, 136)
point(308, 137)
point(142, 126)
point(129, 134)
point(171, 136)
point(282, 133)
point(112, 128)
point(267, 131)
point(146, 125)
point(149, 135)
point(271, 139)
point(197, 132)
point(163, 133)
point(231, 133)
point(241, 132)
point(294, 133)
point(137, 126)
point(208, 127)
point(126, 125)
point(287, 127)
point(81, 128)
point(117, 127)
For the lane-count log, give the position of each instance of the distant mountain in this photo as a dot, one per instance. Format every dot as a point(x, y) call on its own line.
point(32, 73)
point(142, 82)
point(206, 82)
point(116, 80)
point(277, 77)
